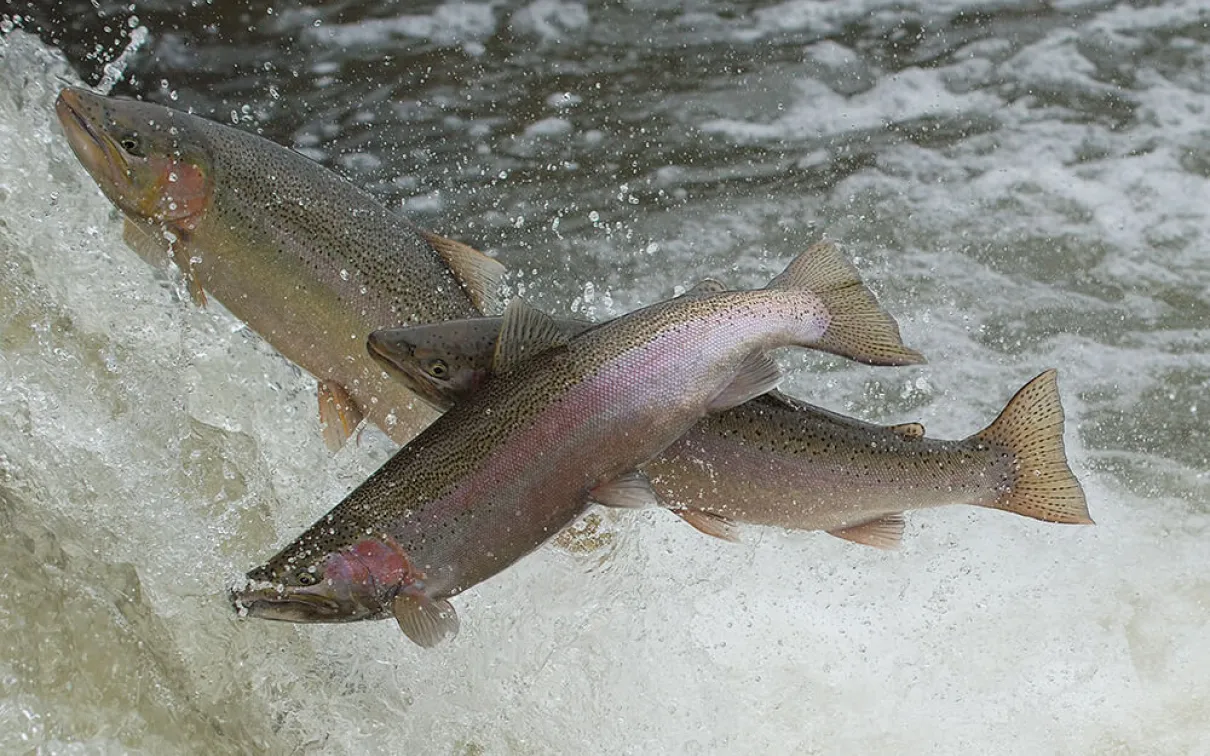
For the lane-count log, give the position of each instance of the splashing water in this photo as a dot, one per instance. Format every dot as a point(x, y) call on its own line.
point(151, 452)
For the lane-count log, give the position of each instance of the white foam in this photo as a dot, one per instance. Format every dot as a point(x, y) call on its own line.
point(550, 20)
point(151, 452)
point(449, 24)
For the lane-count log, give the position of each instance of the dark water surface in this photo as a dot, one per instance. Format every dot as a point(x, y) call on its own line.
point(1024, 183)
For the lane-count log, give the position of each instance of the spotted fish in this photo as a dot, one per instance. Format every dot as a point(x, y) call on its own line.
point(562, 422)
point(309, 261)
point(778, 461)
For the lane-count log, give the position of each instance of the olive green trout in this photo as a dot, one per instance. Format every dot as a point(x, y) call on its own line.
point(560, 422)
point(309, 261)
point(778, 461)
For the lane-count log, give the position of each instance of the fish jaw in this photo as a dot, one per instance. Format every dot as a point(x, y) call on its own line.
point(358, 582)
point(279, 602)
point(98, 154)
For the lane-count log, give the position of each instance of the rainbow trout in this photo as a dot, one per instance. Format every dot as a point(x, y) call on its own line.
point(309, 261)
point(560, 422)
point(778, 461)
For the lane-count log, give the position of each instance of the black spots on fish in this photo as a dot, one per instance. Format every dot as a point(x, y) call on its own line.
point(278, 200)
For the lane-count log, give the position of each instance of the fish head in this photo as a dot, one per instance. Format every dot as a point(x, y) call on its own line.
point(442, 362)
point(147, 159)
point(301, 584)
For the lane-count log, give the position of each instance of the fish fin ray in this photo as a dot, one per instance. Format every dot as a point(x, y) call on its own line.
point(1031, 428)
point(479, 274)
point(193, 277)
point(146, 243)
point(883, 533)
point(710, 523)
point(859, 328)
point(705, 286)
point(425, 621)
point(908, 430)
point(757, 374)
point(525, 333)
point(629, 491)
point(339, 415)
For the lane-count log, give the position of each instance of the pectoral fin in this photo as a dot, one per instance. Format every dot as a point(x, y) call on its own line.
point(629, 491)
point(709, 523)
point(883, 533)
point(157, 247)
point(147, 243)
point(425, 621)
point(339, 415)
point(193, 279)
point(758, 374)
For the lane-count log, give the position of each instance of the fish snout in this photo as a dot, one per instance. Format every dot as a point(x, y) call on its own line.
point(396, 356)
point(80, 118)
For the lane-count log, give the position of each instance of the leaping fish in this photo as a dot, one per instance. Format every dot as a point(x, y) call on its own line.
point(779, 461)
point(561, 422)
point(309, 261)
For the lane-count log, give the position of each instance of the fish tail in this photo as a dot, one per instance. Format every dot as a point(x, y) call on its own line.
point(1031, 427)
point(859, 328)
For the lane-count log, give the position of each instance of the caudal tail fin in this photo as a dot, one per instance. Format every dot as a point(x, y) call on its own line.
point(1031, 427)
point(859, 329)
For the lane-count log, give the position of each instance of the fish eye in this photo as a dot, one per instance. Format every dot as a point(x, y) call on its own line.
point(438, 369)
point(306, 578)
point(130, 144)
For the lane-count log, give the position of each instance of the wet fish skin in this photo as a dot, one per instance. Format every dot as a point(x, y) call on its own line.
point(781, 462)
point(306, 259)
point(444, 362)
point(559, 423)
point(777, 461)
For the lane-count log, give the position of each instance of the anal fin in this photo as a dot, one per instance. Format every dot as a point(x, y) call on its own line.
point(757, 375)
point(339, 415)
point(425, 621)
point(883, 533)
point(709, 523)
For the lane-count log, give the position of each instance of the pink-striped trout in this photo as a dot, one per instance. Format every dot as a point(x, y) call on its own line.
point(560, 422)
point(309, 261)
point(778, 461)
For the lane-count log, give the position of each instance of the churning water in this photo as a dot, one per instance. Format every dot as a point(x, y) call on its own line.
point(1025, 185)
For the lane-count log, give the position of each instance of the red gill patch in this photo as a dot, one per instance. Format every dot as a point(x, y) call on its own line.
point(182, 192)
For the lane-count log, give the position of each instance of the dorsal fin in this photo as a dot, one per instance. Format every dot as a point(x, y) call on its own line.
point(525, 332)
point(479, 274)
point(705, 286)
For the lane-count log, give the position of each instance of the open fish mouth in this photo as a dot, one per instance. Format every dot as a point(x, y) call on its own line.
point(289, 605)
